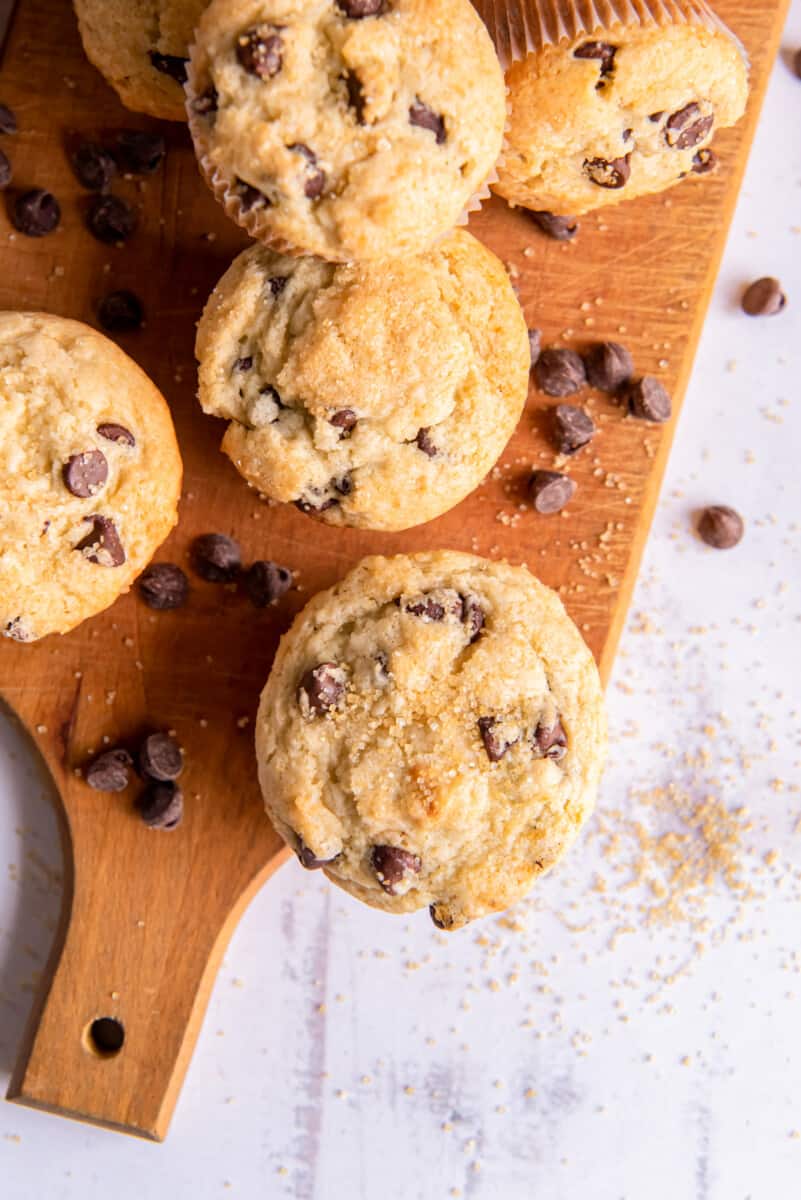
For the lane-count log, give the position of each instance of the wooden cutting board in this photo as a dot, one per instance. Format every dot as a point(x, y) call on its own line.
point(147, 915)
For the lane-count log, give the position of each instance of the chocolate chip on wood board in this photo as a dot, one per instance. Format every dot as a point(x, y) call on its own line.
point(8, 120)
point(163, 586)
point(764, 298)
point(720, 527)
point(559, 372)
point(160, 757)
point(561, 229)
point(5, 171)
point(94, 167)
point(161, 806)
point(572, 428)
point(140, 152)
point(110, 771)
point(111, 219)
point(550, 491)
point(121, 312)
point(648, 400)
point(36, 213)
point(609, 365)
point(266, 582)
point(216, 557)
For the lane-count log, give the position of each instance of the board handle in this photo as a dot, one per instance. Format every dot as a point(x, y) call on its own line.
point(146, 918)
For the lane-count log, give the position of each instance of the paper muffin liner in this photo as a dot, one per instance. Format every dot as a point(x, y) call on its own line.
point(522, 27)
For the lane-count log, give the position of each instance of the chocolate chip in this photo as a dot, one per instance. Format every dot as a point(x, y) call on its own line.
point(16, 631)
point(315, 178)
point(473, 616)
point(121, 312)
point(603, 51)
point(250, 197)
point(266, 582)
point(5, 171)
point(442, 916)
point(561, 229)
point(323, 687)
point(356, 9)
point(572, 428)
point(431, 609)
point(161, 806)
point(656, 117)
point(207, 103)
point(84, 474)
point(425, 443)
point(278, 283)
point(344, 484)
point(356, 99)
point(704, 162)
point(550, 741)
point(160, 757)
point(550, 491)
point(8, 121)
point(720, 526)
point(36, 213)
point(686, 128)
point(102, 544)
point(245, 363)
point(609, 365)
point(216, 557)
point(627, 134)
point(425, 118)
point(391, 864)
point(308, 505)
point(139, 152)
point(111, 219)
point(648, 400)
point(764, 298)
point(94, 167)
point(309, 859)
point(116, 433)
point(173, 65)
point(260, 52)
point(608, 173)
point(796, 64)
point(163, 586)
point(344, 420)
point(559, 372)
point(534, 344)
point(110, 771)
point(494, 743)
point(273, 393)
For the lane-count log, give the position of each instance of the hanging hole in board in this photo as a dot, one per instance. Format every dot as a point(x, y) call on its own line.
point(104, 1037)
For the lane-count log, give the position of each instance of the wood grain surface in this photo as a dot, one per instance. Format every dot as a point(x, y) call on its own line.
point(147, 915)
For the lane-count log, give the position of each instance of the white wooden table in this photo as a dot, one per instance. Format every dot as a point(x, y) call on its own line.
point(581, 1049)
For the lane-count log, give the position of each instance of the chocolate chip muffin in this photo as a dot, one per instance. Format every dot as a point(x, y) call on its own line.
point(375, 395)
point(349, 129)
point(142, 48)
point(90, 473)
point(609, 112)
point(394, 754)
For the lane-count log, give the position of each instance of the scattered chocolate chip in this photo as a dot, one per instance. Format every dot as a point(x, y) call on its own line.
point(356, 99)
point(250, 197)
point(121, 312)
point(572, 428)
point(163, 586)
point(494, 743)
point(323, 686)
point(442, 916)
point(425, 118)
point(704, 162)
point(559, 372)
point(278, 283)
point(207, 103)
point(550, 491)
point(720, 526)
point(609, 365)
point(140, 152)
point(764, 298)
point(161, 806)
point(608, 173)
point(603, 51)
point(111, 219)
point(110, 771)
point(561, 229)
point(266, 582)
point(85, 474)
point(426, 443)
point(160, 757)
point(648, 400)
point(686, 128)
point(216, 557)
point(259, 51)
point(173, 65)
point(315, 178)
point(116, 433)
point(36, 213)
point(5, 171)
point(391, 864)
point(8, 121)
point(102, 544)
point(245, 363)
point(344, 420)
point(473, 616)
point(550, 742)
point(356, 9)
point(534, 344)
point(430, 609)
point(309, 859)
point(94, 167)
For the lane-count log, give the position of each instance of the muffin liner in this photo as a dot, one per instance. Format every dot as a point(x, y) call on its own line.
point(254, 220)
point(522, 27)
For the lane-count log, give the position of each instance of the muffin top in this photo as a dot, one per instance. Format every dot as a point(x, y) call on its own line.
point(375, 395)
point(349, 129)
point(393, 752)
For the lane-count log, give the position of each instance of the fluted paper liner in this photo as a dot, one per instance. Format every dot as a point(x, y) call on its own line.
point(522, 27)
